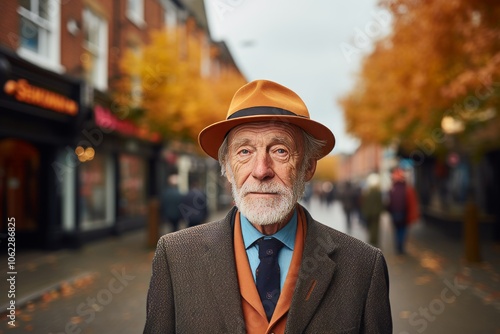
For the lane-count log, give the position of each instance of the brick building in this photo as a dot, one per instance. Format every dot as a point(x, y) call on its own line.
point(71, 169)
point(365, 160)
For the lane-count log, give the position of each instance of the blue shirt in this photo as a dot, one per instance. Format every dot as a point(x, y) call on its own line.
point(286, 235)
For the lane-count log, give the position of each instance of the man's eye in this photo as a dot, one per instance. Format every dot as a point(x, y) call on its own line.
point(244, 151)
point(281, 151)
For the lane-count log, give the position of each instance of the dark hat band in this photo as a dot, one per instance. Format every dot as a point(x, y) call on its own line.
point(259, 111)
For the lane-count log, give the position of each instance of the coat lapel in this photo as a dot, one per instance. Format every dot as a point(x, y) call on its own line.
point(221, 273)
point(316, 273)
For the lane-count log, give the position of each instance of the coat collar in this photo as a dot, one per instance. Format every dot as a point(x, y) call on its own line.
point(316, 272)
point(221, 272)
point(315, 276)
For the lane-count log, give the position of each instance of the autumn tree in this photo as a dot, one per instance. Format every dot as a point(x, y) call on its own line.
point(441, 61)
point(169, 86)
point(327, 169)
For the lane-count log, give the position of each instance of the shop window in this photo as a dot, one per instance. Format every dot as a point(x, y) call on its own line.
point(96, 193)
point(135, 12)
point(39, 32)
point(95, 32)
point(19, 187)
point(132, 186)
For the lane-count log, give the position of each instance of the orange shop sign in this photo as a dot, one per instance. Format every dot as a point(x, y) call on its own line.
point(24, 92)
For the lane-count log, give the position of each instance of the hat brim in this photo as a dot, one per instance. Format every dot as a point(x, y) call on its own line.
point(211, 137)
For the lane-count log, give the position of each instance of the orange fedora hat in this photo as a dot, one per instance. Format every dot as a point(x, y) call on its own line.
point(263, 100)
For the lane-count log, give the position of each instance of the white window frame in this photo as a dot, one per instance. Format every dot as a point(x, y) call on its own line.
point(169, 14)
point(98, 72)
point(48, 54)
point(135, 12)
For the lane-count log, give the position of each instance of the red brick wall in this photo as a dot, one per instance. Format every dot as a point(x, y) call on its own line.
point(126, 33)
point(365, 160)
point(9, 24)
point(122, 32)
point(71, 46)
point(153, 14)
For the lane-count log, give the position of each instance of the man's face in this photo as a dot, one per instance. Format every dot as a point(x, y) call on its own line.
point(267, 171)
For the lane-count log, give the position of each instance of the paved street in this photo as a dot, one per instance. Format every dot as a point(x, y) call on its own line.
point(102, 287)
point(433, 290)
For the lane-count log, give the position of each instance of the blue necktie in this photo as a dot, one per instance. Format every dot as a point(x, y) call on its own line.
point(268, 274)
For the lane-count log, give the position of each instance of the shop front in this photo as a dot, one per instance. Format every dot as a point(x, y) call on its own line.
point(40, 114)
point(117, 179)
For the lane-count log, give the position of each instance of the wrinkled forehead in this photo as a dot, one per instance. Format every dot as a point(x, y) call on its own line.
point(278, 129)
point(266, 133)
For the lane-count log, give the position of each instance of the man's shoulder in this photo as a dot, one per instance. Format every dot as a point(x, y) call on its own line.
point(206, 232)
point(336, 240)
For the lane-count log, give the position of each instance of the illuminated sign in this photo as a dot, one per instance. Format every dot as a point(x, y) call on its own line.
point(23, 91)
point(105, 119)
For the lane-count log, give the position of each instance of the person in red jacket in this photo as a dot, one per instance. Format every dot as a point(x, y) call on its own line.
point(402, 206)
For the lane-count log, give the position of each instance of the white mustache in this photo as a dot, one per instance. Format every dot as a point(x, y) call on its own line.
point(263, 188)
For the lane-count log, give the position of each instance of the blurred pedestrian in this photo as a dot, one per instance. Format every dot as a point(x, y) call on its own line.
point(330, 195)
point(402, 206)
point(327, 193)
point(268, 266)
point(308, 192)
point(170, 201)
point(358, 196)
point(371, 207)
point(193, 206)
point(349, 199)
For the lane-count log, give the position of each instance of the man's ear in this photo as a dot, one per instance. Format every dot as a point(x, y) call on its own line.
point(228, 173)
point(310, 170)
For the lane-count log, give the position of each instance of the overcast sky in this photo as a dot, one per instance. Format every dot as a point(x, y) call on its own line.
point(313, 47)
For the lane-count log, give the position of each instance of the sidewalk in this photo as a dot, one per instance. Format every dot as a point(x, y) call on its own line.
point(445, 256)
point(434, 290)
point(41, 274)
point(72, 287)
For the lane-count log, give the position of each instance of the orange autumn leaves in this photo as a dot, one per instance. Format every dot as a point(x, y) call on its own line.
point(176, 88)
point(327, 169)
point(441, 59)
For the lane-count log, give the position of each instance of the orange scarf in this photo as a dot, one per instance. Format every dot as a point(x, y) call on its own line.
point(253, 311)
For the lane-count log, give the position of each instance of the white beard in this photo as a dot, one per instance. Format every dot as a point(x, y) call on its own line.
point(267, 211)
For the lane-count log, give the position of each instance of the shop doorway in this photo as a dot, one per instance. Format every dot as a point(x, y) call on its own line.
point(19, 185)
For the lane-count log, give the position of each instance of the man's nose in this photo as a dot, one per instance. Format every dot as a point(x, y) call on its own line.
point(262, 168)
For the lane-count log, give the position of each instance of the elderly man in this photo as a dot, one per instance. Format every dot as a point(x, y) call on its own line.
point(268, 266)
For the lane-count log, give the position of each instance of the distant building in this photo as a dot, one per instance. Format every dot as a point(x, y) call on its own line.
point(366, 159)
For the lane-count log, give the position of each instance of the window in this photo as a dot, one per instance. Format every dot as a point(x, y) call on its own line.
point(135, 12)
point(39, 32)
point(95, 31)
point(170, 14)
point(96, 193)
point(132, 186)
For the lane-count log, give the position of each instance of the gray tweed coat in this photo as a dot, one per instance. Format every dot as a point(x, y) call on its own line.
point(342, 287)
